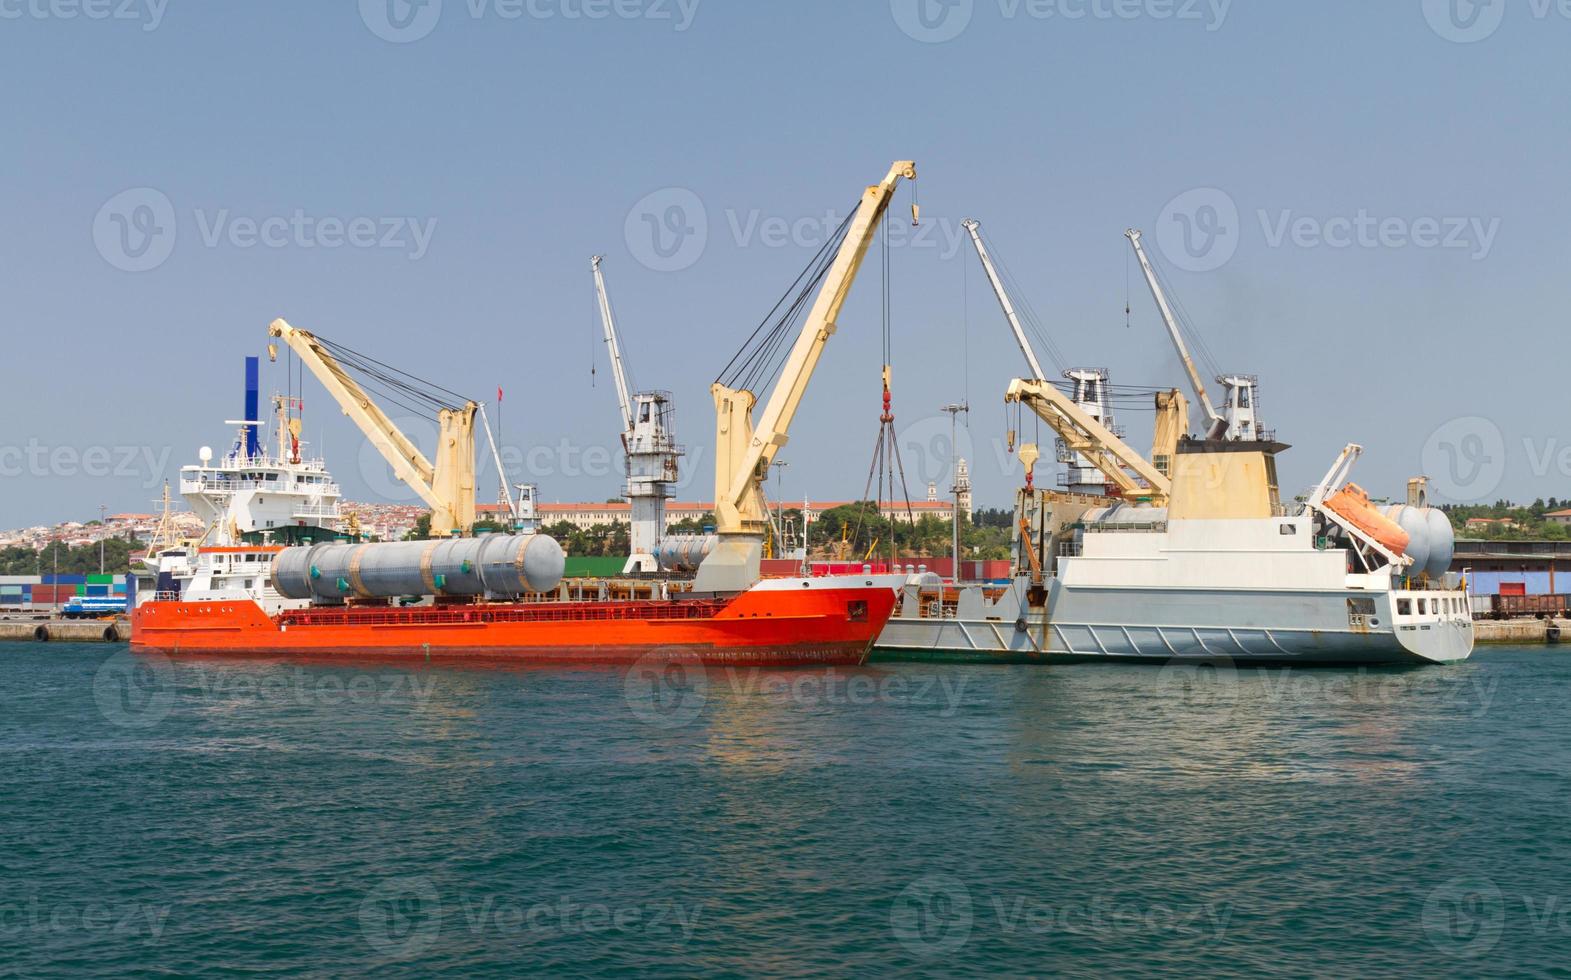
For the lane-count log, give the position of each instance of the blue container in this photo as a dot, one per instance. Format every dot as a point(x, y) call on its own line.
point(98, 590)
point(64, 579)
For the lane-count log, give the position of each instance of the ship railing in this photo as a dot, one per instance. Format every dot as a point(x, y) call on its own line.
point(273, 486)
point(166, 596)
point(317, 512)
point(480, 614)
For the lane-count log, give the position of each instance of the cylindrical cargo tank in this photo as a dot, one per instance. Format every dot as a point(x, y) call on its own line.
point(498, 564)
point(684, 552)
point(1413, 521)
point(1442, 542)
point(1121, 514)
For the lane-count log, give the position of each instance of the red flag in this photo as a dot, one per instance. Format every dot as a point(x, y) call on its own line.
point(499, 394)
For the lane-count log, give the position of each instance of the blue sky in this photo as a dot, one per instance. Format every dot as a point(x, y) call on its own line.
point(428, 183)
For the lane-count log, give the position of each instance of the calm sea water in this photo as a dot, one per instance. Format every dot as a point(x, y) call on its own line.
point(332, 819)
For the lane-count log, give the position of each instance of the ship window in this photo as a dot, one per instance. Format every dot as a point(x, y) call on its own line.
point(1404, 607)
point(1422, 607)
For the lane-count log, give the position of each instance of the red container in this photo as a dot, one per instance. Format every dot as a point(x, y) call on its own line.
point(49, 595)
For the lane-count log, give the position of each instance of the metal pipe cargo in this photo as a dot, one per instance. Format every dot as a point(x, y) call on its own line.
point(495, 565)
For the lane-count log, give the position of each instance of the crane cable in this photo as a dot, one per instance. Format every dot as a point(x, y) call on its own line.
point(763, 354)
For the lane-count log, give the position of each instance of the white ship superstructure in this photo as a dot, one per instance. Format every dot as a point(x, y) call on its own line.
point(254, 502)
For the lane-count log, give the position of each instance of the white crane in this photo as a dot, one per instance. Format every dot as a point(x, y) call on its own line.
point(648, 445)
point(1090, 384)
point(974, 227)
point(1242, 391)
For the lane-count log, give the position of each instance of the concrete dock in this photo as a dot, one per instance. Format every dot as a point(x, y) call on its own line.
point(65, 630)
point(1524, 631)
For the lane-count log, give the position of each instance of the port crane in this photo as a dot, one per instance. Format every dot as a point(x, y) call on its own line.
point(1087, 439)
point(448, 485)
point(648, 444)
point(1093, 441)
point(744, 449)
point(1238, 420)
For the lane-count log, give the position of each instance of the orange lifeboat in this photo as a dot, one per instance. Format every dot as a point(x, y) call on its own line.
point(1352, 504)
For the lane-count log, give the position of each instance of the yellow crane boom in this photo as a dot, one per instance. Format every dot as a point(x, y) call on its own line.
point(448, 485)
point(743, 449)
point(1083, 434)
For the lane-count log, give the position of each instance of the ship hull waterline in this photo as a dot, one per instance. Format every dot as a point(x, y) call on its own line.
point(1163, 626)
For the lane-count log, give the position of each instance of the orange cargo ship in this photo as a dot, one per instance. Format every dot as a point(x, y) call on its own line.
point(777, 623)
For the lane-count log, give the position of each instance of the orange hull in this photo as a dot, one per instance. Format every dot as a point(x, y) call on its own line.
point(832, 626)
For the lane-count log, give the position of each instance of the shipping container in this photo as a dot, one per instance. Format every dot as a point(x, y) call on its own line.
point(10, 590)
point(98, 590)
point(101, 579)
point(19, 579)
point(64, 579)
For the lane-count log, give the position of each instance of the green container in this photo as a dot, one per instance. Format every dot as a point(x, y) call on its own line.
point(593, 567)
point(81, 590)
point(100, 580)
